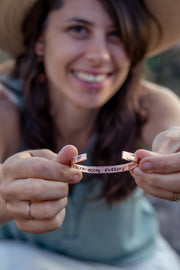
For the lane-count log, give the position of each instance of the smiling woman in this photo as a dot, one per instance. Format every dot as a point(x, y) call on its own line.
point(89, 45)
point(76, 86)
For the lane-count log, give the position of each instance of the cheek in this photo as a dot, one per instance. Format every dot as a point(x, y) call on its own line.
point(54, 60)
point(61, 55)
point(122, 67)
point(121, 58)
point(123, 64)
point(52, 68)
point(122, 72)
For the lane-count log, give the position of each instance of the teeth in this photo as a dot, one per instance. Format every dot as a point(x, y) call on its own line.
point(90, 78)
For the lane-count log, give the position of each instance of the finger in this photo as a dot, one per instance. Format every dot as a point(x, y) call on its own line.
point(34, 189)
point(168, 182)
point(41, 226)
point(66, 154)
point(44, 153)
point(39, 210)
point(159, 193)
point(38, 167)
point(164, 164)
point(141, 153)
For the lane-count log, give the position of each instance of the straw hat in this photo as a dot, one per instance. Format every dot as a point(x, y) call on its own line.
point(12, 13)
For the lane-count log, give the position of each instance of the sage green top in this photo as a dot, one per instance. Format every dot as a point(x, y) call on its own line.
point(96, 231)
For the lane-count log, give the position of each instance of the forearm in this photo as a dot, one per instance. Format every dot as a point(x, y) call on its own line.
point(4, 216)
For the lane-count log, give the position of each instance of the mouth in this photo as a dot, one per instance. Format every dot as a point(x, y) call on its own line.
point(90, 77)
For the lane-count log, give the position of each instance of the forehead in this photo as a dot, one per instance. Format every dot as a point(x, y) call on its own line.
point(91, 10)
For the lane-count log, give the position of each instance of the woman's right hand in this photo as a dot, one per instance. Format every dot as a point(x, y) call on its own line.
point(42, 177)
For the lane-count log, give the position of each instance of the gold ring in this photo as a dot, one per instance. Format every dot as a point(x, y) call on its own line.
point(29, 210)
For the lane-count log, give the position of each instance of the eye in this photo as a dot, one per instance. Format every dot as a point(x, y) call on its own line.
point(78, 30)
point(114, 35)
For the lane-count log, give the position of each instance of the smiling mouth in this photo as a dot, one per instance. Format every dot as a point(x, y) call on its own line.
point(91, 78)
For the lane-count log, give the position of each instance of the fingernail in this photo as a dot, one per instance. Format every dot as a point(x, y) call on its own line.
point(146, 166)
point(76, 178)
point(137, 172)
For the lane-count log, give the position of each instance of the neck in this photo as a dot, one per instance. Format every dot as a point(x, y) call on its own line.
point(74, 125)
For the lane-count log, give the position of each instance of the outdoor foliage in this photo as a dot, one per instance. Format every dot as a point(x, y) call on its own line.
point(163, 69)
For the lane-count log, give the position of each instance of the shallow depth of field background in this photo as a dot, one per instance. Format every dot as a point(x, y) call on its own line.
point(163, 69)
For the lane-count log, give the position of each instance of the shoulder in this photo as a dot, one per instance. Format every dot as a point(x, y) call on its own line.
point(8, 93)
point(163, 107)
point(9, 124)
point(158, 95)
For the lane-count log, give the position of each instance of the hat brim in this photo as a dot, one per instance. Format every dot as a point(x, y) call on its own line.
point(168, 14)
point(12, 13)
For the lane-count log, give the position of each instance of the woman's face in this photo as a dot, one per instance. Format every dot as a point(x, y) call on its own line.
point(84, 58)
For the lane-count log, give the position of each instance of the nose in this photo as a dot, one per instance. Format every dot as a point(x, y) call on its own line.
point(97, 50)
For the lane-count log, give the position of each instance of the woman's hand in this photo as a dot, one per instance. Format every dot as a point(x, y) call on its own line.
point(40, 177)
point(158, 172)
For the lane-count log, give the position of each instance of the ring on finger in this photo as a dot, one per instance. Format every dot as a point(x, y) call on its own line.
point(29, 210)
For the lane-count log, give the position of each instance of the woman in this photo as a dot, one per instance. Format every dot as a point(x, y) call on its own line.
point(79, 73)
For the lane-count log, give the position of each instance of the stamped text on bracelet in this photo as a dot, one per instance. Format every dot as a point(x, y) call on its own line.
point(105, 169)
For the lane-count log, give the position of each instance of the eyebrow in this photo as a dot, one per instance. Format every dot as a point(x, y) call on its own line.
point(80, 21)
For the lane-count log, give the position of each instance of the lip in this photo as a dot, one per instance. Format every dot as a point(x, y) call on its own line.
point(94, 86)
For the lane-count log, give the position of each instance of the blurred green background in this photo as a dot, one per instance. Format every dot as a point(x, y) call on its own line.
point(3, 56)
point(163, 69)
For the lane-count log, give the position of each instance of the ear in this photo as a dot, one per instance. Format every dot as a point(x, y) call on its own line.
point(39, 47)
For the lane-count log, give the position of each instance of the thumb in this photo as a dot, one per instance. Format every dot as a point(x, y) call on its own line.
point(147, 160)
point(66, 154)
point(141, 153)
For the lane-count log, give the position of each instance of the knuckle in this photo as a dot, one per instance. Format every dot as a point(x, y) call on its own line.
point(9, 209)
point(4, 192)
point(33, 189)
point(150, 180)
point(47, 211)
point(9, 166)
point(50, 210)
point(63, 190)
point(21, 225)
point(6, 169)
point(62, 175)
point(58, 220)
point(41, 169)
point(63, 203)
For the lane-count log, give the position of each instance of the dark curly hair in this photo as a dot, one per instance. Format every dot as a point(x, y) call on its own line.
point(119, 123)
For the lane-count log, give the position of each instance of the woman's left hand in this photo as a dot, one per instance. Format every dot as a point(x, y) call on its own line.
point(158, 172)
